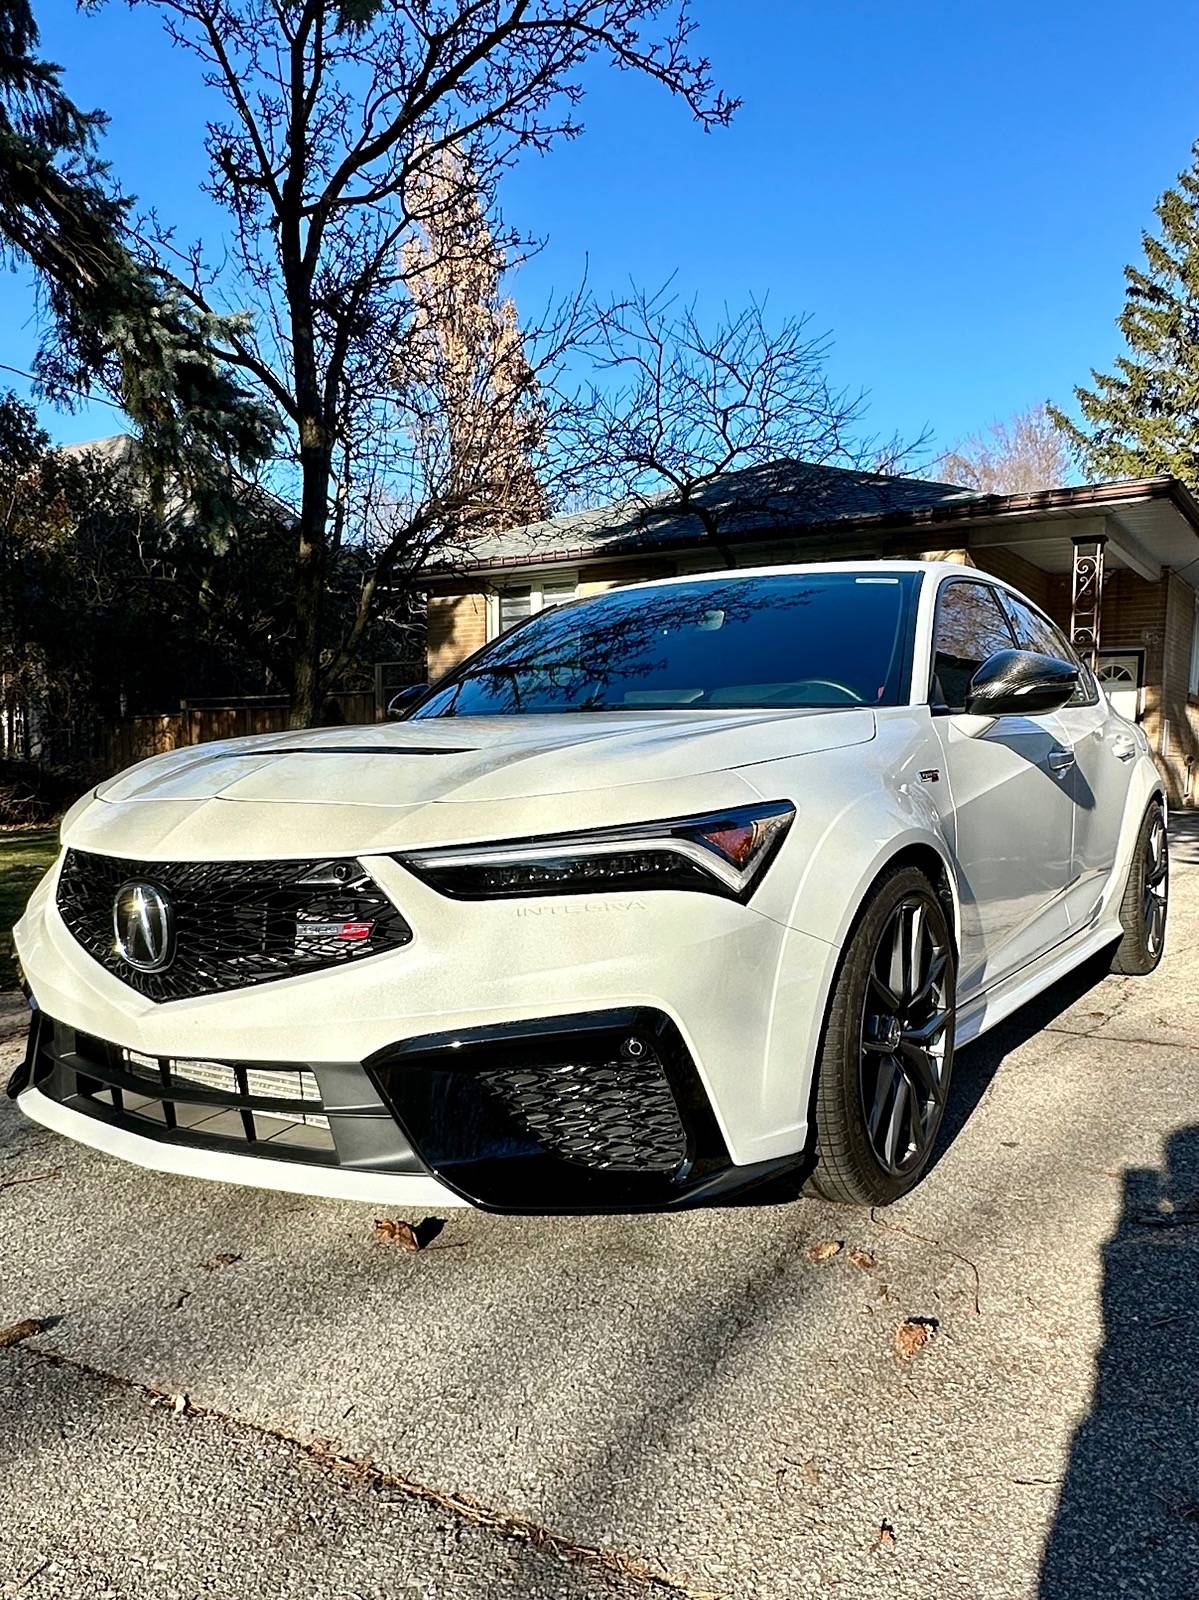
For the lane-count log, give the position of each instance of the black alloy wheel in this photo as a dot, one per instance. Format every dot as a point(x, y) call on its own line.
point(886, 1057)
point(1146, 903)
point(905, 1020)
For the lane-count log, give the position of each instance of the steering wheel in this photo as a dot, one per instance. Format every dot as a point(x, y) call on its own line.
point(852, 696)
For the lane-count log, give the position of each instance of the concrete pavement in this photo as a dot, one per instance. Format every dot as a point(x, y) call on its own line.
point(683, 1404)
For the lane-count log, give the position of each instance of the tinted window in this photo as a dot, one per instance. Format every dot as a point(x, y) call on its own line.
point(1035, 632)
point(970, 628)
point(796, 639)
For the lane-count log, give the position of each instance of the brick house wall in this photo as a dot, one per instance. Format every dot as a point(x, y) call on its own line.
point(455, 627)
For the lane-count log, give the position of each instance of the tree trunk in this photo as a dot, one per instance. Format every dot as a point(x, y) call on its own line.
point(311, 570)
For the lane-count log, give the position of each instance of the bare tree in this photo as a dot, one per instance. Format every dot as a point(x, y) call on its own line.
point(717, 423)
point(1020, 456)
point(333, 113)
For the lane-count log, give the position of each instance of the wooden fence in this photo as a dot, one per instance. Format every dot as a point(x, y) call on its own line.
point(201, 721)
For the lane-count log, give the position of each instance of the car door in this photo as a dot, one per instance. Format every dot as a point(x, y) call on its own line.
point(1007, 802)
point(1104, 749)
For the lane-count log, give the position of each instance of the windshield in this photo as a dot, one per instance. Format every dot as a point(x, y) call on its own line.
point(793, 640)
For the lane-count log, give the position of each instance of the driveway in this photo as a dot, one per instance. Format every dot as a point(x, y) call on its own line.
point(241, 1394)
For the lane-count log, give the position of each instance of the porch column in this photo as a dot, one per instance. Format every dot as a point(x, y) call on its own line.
point(1086, 601)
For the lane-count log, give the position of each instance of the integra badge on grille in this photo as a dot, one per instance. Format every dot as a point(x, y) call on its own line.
point(309, 928)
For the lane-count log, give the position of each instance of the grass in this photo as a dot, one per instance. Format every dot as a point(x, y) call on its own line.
point(24, 856)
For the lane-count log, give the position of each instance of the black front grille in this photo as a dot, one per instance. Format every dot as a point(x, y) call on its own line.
point(236, 923)
point(614, 1115)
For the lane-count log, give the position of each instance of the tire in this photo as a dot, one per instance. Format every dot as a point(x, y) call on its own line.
point(1146, 902)
point(880, 1094)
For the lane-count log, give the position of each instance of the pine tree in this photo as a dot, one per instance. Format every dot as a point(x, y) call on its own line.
point(1143, 418)
point(112, 321)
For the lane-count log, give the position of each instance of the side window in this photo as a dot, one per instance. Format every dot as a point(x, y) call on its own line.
point(1035, 632)
point(970, 628)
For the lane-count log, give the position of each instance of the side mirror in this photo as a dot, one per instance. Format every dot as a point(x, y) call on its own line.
point(402, 702)
point(1020, 683)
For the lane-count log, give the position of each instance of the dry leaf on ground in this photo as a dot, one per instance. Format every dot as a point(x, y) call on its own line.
point(825, 1251)
point(224, 1258)
point(884, 1539)
point(18, 1332)
point(863, 1259)
point(388, 1230)
point(912, 1336)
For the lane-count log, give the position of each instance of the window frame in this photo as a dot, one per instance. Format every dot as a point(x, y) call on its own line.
point(1086, 678)
point(1193, 664)
point(536, 588)
point(937, 708)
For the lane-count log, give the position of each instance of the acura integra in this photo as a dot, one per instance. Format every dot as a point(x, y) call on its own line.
point(665, 893)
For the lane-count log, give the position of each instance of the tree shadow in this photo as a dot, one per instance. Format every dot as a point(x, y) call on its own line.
point(1127, 1521)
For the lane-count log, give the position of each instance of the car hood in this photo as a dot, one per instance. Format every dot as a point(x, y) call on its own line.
point(481, 758)
point(364, 788)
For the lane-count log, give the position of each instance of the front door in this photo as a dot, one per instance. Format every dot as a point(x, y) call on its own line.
point(1008, 798)
point(1104, 750)
point(1120, 675)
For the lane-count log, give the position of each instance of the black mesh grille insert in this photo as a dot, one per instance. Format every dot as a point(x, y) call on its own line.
point(615, 1115)
point(236, 923)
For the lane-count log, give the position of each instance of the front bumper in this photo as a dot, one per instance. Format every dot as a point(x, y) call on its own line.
point(601, 1112)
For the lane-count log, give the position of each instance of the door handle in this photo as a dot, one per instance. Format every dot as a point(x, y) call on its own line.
point(1123, 748)
point(1061, 760)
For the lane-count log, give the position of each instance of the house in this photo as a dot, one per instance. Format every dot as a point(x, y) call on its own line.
point(1116, 565)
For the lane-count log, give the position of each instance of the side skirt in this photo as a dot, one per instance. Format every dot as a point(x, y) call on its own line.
point(983, 1011)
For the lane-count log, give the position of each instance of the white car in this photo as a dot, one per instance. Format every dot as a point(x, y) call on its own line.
point(665, 893)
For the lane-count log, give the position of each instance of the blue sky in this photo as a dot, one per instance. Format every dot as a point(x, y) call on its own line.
point(951, 189)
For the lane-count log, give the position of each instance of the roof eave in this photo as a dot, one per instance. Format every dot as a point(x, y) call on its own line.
point(1048, 503)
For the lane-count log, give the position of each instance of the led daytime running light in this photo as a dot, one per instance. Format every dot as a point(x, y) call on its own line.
point(718, 853)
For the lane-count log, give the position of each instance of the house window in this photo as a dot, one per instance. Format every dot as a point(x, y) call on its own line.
point(517, 601)
point(1194, 682)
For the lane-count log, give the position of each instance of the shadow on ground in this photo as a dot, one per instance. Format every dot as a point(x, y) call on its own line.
point(1127, 1521)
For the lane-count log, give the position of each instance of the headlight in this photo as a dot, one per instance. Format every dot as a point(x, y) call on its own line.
point(724, 852)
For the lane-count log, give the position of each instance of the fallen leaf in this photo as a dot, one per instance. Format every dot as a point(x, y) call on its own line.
point(884, 1539)
point(810, 1472)
point(912, 1336)
point(863, 1260)
point(825, 1251)
point(224, 1258)
point(18, 1332)
point(403, 1234)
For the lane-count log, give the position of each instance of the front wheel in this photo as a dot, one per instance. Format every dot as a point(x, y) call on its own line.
point(887, 1050)
point(1146, 900)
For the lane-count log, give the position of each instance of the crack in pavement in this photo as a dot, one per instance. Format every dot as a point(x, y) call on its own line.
point(1111, 1038)
point(462, 1507)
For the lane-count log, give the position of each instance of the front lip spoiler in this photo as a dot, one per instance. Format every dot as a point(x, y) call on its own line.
point(190, 1161)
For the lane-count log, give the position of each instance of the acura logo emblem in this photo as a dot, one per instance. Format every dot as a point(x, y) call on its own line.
point(144, 927)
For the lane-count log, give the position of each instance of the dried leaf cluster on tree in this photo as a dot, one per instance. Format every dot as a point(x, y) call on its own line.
point(1027, 453)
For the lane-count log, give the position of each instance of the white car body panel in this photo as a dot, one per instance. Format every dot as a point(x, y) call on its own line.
point(1034, 871)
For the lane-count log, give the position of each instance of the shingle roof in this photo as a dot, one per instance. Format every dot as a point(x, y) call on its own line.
point(751, 504)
